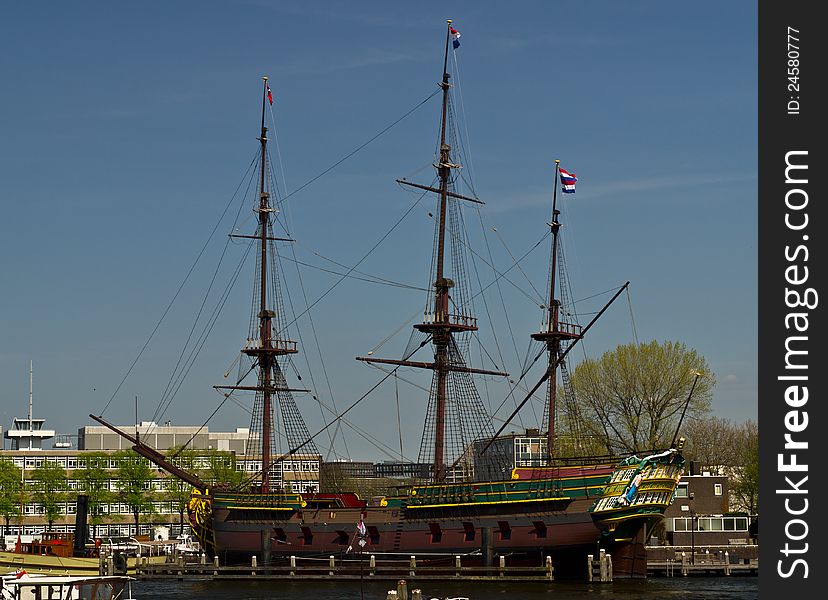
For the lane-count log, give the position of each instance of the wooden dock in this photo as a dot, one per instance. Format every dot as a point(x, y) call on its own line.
point(334, 568)
point(704, 565)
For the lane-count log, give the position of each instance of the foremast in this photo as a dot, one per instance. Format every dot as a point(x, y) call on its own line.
point(439, 322)
point(265, 348)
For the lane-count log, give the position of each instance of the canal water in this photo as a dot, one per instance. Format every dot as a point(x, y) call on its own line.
point(675, 588)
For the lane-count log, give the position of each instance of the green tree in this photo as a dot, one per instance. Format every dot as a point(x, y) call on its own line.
point(179, 492)
point(134, 484)
point(49, 487)
point(219, 470)
point(632, 397)
point(94, 480)
point(11, 489)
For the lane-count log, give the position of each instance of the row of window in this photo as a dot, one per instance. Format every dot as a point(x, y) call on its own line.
point(642, 498)
point(123, 529)
point(201, 462)
point(70, 508)
point(710, 524)
point(288, 466)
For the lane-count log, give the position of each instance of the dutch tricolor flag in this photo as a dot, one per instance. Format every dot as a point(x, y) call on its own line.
point(455, 38)
point(568, 182)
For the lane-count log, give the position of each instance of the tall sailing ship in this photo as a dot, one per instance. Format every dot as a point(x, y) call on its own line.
point(476, 498)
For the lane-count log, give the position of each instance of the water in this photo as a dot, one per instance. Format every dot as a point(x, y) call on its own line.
point(691, 588)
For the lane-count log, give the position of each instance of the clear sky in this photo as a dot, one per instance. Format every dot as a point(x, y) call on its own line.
point(126, 128)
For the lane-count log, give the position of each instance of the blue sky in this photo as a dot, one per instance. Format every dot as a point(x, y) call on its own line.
point(127, 127)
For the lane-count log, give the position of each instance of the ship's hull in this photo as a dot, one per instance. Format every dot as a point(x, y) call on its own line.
point(525, 519)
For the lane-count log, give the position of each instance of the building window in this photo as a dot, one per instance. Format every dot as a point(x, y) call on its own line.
point(681, 491)
point(717, 489)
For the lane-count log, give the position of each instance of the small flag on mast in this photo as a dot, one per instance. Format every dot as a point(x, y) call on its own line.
point(455, 38)
point(361, 527)
point(269, 96)
point(568, 182)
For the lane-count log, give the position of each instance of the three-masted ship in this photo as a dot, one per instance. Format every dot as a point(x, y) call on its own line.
point(477, 498)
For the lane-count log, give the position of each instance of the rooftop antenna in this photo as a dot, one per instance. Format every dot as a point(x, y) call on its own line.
point(30, 401)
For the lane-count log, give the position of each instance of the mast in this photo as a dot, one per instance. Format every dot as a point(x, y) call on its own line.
point(555, 331)
point(263, 347)
point(265, 350)
point(440, 324)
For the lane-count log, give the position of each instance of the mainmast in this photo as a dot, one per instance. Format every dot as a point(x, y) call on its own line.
point(440, 325)
point(555, 331)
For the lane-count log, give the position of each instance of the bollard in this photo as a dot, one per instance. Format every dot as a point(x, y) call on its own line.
point(215, 564)
point(372, 564)
point(502, 565)
point(684, 564)
point(391, 595)
point(727, 563)
point(293, 566)
point(203, 558)
point(331, 565)
point(417, 594)
point(590, 567)
point(457, 566)
point(253, 563)
point(402, 589)
point(602, 565)
point(549, 570)
point(412, 566)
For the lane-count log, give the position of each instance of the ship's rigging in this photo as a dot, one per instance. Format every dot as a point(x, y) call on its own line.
point(455, 415)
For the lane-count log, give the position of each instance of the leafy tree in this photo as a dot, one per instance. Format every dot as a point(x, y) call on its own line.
point(220, 470)
point(134, 480)
point(746, 489)
point(175, 490)
point(50, 485)
point(94, 480)
point(713, 442)
point(632, 397)
point(11, 489)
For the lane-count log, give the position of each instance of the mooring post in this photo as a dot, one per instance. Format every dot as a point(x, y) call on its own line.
point(412, 566)
point(331, 565)
point(684, 564)
point(549, 570)
point(457, 566)
point(215, 565)
point(602, 565)
point(502, 565)
point(372, 565)
point(293, 566)
point(726, 563)
point(417, 594)
point(590, 567)
point(487, 548)
point(402, 589)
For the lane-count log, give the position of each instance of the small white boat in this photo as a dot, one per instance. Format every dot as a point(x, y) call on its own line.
point(22, 586)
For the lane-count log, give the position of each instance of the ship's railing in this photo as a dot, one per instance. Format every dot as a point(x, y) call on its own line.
point(570, 329)
point(276, 344)
point(462, 320)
